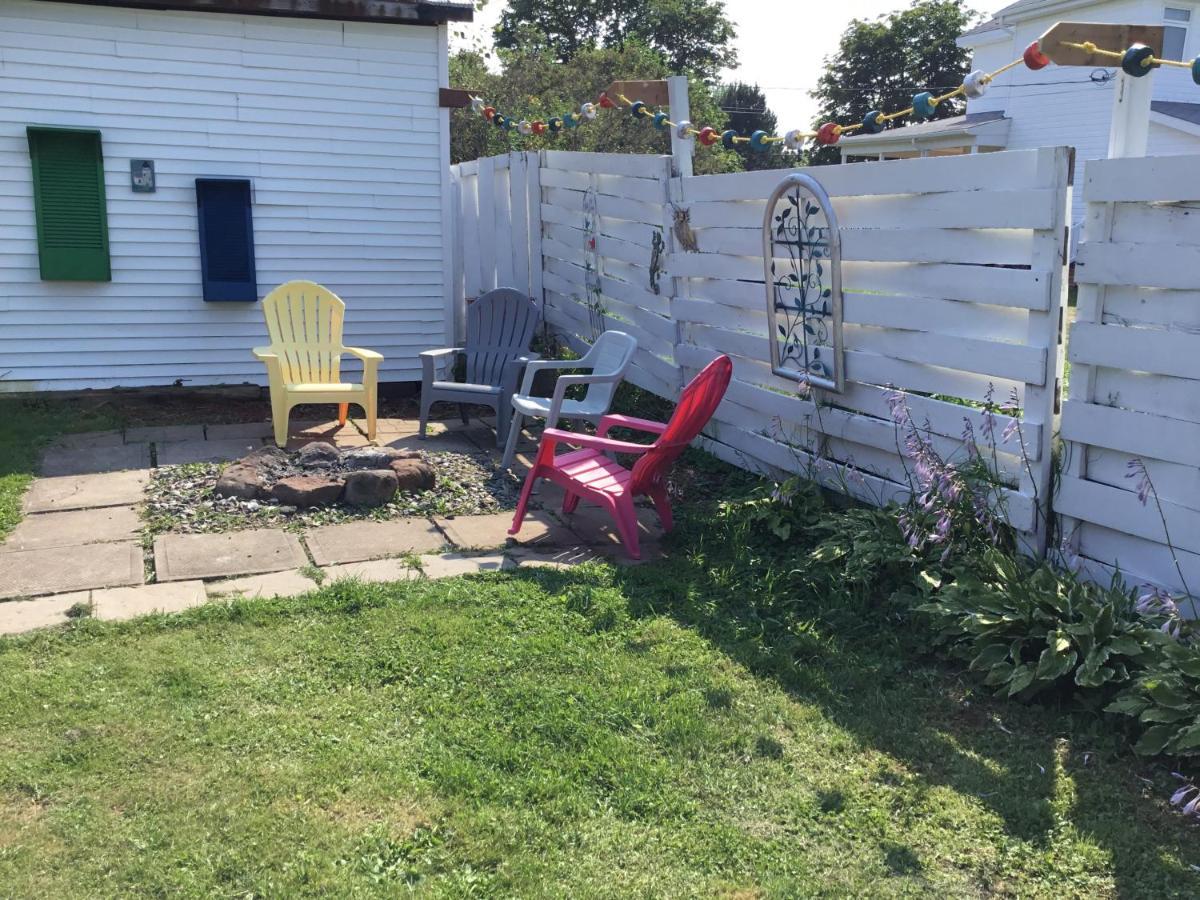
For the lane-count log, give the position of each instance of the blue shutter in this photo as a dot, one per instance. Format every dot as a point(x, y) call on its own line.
point(226, 239)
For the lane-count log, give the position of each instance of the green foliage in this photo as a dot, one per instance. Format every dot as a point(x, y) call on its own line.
point(1166, 702)
point(882, 63)
point(690, 36)
point(1031, 629)
point(534, 85)
point(746, 106)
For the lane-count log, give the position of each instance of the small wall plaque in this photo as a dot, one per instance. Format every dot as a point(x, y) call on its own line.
point(141, 176)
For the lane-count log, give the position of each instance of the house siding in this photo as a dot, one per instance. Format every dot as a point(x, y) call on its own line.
point(336, 124)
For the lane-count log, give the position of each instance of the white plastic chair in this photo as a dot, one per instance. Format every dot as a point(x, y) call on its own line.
point(608, 359)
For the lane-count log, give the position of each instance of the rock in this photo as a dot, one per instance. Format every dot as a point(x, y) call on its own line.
point(413, 475)
point(241, 480)
point(318, 454)
point(373, 457)
point(370, 487)
point(264, 455)
point(306, 490)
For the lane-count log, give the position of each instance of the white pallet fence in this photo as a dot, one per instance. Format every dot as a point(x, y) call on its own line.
point(953, 278)
point(1135, 374)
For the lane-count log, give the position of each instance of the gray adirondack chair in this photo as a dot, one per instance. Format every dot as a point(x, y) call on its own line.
point(500, 325)
point(608, 359)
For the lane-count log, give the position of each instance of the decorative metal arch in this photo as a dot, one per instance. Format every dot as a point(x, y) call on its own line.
point(802, 268)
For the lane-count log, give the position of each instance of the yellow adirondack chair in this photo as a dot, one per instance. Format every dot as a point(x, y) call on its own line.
point(303, 362)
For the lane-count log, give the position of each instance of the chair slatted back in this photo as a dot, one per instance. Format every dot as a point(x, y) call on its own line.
point(697, 403)
point(500, 325)
point(304, 320)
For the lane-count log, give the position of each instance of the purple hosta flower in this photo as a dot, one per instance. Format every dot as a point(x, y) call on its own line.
point(941, 531)
point(897, 405)
point(1069, 556)
point(1157, 602)
point(1187, 798)
point(1012, 428)
point(1013, 407)
point(1137, 469)
point(989, 415)
point(968, 438)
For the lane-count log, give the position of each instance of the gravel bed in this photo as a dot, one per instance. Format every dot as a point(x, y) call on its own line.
point(180, 499)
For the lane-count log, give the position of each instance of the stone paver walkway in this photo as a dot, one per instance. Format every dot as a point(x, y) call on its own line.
point(78, 549)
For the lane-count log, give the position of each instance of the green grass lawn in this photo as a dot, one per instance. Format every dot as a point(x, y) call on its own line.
point(26, 426)
point(602, 732)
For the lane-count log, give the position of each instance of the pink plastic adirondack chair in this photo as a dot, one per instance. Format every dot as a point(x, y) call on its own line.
point(589, 474)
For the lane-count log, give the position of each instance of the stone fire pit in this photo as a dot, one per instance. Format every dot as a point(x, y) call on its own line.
point(319, 474)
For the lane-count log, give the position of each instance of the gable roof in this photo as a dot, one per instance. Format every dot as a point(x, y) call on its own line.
point(1022, 9)
point(1187, 112)
point(394, 12)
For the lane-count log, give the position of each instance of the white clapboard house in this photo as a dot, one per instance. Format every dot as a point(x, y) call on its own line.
point(1056, 106)
point(165, 163)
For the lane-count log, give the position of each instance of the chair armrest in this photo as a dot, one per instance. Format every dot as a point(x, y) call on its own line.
point(560, 389)
point(263, 354)
point(551, 437)
point(430, 357)
point(364, 355)
point(541, 365)
point(608, 421)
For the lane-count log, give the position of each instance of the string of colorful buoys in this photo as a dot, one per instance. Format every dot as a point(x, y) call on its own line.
point(1137, 60)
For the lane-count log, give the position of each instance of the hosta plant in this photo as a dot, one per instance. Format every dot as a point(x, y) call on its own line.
point(1166, 702)
point(1027, 630)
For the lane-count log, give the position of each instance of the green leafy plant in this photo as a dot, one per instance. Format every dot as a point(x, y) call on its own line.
point(1166, 702)
point(1032, 629)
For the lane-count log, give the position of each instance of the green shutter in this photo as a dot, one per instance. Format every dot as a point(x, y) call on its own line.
point(68, 194)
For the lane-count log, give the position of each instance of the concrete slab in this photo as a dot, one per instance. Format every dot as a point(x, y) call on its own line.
point(563, 558)
point(18, 616)
point(129, 603)
point(161, 433)
point(596, 527)
point(450, 565)
point(400, 426)
point(75, 527)
point(375, 571)
point(180, 557)
point(275, 584)
point(176, 453)
point(356, 541)
point(105, 458)
point(239, 430)
point(344, 438)
point(86, 491)
point(484, 532)
point(442, 443)
point(86, 439)
point(32, 573)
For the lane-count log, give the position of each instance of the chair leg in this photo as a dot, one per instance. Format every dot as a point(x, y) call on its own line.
point(372, 408)
point(510, 448)
point(426, 402)
point(343, 413)
point(526, 489)
point(662, 505)
point(279, 417)
point(462, 412)
point(625, 516)
point(570, 502)
point(504, 414)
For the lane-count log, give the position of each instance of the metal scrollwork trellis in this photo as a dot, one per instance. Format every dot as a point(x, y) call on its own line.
point(802, 261)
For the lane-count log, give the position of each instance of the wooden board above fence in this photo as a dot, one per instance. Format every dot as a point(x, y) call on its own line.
point(652, 93)
point(1106, 37)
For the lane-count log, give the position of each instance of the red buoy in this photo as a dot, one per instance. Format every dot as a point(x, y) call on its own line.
point(828, 133)
point(488, 112)
point(708, 136)
point(1035, 58)
point(605, 101)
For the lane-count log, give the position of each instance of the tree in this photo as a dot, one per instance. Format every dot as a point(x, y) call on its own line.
point(746, 106)
point(533, 85)
point(881, 64)
point(692, 36)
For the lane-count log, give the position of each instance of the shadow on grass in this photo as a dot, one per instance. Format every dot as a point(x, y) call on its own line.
point(938, 725)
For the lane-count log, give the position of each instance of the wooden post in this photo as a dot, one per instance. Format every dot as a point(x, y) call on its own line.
point(681, 148)
point(1130, 129)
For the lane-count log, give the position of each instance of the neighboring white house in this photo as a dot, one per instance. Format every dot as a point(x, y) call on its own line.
point(320, 118)
point(1056, 106)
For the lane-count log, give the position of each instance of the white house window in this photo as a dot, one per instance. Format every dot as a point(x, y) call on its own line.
point(1175, 29)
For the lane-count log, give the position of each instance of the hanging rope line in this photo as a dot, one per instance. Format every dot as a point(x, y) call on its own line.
point(1138, 60)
